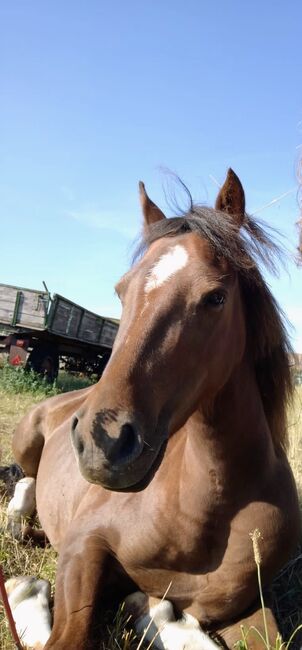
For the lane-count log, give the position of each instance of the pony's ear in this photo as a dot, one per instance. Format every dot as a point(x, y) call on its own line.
point(231, 198)
point(150, 211)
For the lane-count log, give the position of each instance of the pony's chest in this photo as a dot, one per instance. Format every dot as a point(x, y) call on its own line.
point(158, 556)
point(166, 539)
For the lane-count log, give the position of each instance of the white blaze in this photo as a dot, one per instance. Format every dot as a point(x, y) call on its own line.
point(173, 261)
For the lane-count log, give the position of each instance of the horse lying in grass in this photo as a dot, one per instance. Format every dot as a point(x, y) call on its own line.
point(157, 474)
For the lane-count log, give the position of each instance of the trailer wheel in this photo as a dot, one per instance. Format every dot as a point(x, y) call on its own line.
point(44, 359)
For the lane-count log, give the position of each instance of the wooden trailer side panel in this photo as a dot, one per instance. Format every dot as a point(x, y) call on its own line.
point(108, 333)
point(72, 321)
point(23, 307)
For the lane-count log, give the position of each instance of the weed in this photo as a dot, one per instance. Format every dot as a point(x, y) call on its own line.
point(268, 644)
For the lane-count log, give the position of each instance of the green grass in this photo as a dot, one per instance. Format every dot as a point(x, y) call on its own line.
point(18, 392)
point(19, 381)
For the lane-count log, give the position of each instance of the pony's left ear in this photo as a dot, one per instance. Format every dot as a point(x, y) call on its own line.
point(231, 198)
point(150, 211)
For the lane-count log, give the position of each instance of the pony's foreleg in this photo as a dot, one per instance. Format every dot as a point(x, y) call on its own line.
point(154, 620)
point(251, 629)
point(22, 505)
point(28, 440)
point(80, 570)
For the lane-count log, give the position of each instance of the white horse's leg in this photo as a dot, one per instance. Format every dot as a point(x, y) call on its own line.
point(22, 504)
point(155, 620)
point(29, 601)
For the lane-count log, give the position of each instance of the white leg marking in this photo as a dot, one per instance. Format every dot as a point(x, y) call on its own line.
point(173, 261)
point(22, 504)
point(29, 600)
point(157, 623)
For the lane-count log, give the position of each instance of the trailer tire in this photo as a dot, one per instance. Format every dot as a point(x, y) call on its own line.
point(44, 359)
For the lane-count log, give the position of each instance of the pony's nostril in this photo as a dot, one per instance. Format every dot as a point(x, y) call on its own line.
point(124, 448)
point(74, 423)
point(76, 437)
point(80, 447)
point(128, 440)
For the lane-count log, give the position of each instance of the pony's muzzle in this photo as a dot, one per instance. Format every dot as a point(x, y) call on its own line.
point(118, 447)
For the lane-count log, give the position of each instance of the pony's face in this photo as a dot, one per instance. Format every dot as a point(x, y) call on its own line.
point(182, 332)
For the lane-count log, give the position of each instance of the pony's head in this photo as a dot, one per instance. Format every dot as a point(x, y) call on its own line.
point(194, 304)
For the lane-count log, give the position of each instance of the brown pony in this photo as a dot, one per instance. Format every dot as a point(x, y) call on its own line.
point(158, 473)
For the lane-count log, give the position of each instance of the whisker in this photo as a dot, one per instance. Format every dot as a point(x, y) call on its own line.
point(147, 445)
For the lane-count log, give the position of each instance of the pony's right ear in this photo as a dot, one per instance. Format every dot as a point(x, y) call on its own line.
point(150, 211)
point(231, 198)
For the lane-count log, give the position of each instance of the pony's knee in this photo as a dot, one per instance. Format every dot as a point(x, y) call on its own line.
point(10, 475)
point(28, 441)
point(35, 536)
point(22, 504)
point(29, 601)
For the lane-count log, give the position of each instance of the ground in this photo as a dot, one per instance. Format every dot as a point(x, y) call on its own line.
point(16, 559)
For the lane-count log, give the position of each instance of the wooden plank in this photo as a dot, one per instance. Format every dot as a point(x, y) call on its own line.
point(33, 308)
point(29, 311)
point(6, 315)
point(90, 329)
point(58, 324)
point(8, 304)
point(66, 318)
point(34, 302)
point(70, 320)
point(31, 324)
point(36, 317)
point(4, 287)
point(7, 293)
point(73, 320)
point(109, 333)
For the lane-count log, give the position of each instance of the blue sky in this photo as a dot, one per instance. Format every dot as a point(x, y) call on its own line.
point(95, 96)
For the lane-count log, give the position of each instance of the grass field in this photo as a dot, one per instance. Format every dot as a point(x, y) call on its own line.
point(16, 397)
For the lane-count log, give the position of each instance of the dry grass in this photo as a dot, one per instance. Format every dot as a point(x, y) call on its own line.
point(288, 584)
point(295, 437)
point(22, 560)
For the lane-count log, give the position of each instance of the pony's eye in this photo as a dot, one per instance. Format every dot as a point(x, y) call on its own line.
point(214, 299)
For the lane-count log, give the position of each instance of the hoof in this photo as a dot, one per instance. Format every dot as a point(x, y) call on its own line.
point(154, 620)
point(29, 601)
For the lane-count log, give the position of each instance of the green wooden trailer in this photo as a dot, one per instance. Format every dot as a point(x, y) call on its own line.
point(45, 332)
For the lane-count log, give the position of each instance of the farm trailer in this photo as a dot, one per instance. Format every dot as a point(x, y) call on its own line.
point(43, 332)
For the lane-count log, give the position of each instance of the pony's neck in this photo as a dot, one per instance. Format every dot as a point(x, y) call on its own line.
point(233, 431)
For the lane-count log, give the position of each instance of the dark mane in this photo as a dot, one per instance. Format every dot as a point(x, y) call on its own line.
point(267, 337)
